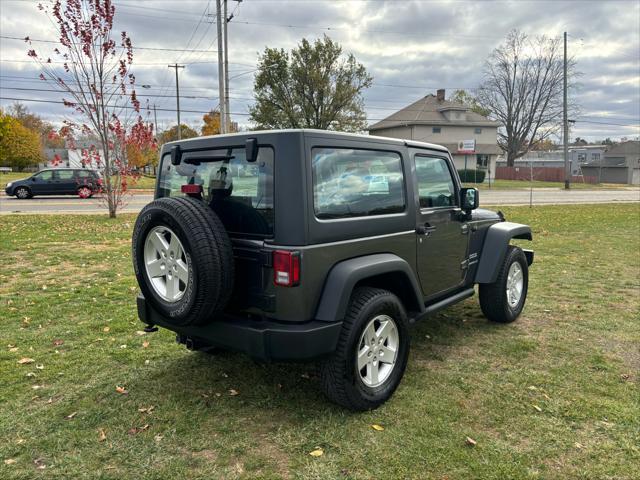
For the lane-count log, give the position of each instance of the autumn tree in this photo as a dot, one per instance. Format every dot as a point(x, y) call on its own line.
point(19, 146)
point(171, 134)
point(99, 87)
point(33, 122)
point(313, 86)
point(523, 89)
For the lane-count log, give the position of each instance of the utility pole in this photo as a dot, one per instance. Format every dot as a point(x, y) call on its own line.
point(226, 71)
point(221, 69)
point(155, 120)
point(176, 66)
point(567, 169)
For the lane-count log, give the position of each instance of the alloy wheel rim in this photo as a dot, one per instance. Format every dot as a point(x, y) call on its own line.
point(166, 264)
point(377, 351)
point(22, 193)
point(515, 284)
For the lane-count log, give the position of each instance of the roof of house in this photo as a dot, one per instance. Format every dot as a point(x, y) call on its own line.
point(623, 149)
point(430, 111)
point(625, 154)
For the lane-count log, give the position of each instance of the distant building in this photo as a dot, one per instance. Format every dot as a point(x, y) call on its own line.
point(436, 120)
point(620, 164)
point(578, 155)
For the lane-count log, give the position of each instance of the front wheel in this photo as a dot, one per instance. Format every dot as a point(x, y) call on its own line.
point(503, 300)
point(22, 193)
point(372, 351)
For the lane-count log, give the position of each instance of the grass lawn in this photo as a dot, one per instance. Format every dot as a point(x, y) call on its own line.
point(143, 182)
point(522, 184)
point(555, 395)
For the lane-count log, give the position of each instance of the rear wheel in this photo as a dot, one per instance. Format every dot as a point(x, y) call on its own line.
point(183, 260)
point(22, 193)
point(503, 300)
point(372, 351)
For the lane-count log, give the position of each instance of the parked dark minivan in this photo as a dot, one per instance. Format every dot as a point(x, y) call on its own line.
point(59, 181)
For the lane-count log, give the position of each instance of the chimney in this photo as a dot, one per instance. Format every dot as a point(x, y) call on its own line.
point(440, 95)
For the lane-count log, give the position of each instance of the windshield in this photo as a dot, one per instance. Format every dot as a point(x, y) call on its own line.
point(241, 193)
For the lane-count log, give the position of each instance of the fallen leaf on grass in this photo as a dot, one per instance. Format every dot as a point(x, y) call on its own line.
point(146, 409)
point(157, 438)
point(136, 430)
point(106, 329)
point(377, 427)
point(39, 463)
point(71, 415)
point(470, 441)
point(121, 390)
point(318, 452)
point(102, 436)
point(25, 360)
point(233, 392)
point(39, 366)
point(57, 343)
point(537, 408)
point(10, 461)
point(579, 445)
point(13, 349)
point(141, 332)
point(145, 344)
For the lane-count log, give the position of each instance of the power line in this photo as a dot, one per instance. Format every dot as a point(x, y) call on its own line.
point(138, 94)
point(135, 47)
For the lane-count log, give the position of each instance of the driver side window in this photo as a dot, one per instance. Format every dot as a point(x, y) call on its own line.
point(435, 182)
point(45, 176)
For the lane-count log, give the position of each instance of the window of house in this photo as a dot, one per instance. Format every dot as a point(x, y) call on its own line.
point(478, 131)
point(595, 156)
point(482, 161)
point(436, 130)
point(582, 157)
point(435, 182)
point(356, 183)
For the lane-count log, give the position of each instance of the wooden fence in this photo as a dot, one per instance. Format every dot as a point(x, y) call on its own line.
point(545, 174)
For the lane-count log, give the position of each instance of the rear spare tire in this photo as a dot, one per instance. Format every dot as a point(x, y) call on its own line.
point(183, 260)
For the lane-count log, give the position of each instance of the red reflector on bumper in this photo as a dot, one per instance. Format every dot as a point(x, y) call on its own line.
point(191, 189)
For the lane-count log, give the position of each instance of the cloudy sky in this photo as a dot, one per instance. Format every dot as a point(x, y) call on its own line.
point(410, 47)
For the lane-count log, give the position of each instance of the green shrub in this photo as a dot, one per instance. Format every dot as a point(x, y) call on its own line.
point(472, 176)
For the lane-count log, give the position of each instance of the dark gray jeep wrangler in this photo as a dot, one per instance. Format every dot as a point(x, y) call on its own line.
point(304, 245)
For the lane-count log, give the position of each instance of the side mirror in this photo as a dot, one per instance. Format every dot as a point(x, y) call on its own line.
point(251, 149)
point(33, 179)
point(176, 155)
point(470, 199)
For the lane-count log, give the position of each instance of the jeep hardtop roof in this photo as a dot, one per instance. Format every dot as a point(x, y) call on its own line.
point(313, 133)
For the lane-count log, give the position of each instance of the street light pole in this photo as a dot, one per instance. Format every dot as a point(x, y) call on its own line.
point(567, 169)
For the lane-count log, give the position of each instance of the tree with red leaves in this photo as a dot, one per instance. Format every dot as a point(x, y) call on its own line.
point(96, 77)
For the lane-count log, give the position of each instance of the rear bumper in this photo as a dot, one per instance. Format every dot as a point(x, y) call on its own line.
point(261, 339)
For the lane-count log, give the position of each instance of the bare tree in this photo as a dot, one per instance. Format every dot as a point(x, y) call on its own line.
point(96, 77)
point(523, 91)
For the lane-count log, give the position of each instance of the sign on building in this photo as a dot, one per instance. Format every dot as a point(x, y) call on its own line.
point(467, 146)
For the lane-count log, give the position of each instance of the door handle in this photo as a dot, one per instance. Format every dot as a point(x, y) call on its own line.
point(425, 229)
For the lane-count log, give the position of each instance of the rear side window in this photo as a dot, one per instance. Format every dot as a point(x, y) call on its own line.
point(435, 182)
point(356, 182)
point(65, 174)
point(241, 193)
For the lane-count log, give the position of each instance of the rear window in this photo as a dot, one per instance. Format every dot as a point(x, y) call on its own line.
point(241, 193)
point(356, 183)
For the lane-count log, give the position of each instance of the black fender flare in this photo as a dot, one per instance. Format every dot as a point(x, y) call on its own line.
point(344, 276)
point(495, 246)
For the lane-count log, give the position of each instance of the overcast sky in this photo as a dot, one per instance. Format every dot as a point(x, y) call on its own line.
point(410, 47)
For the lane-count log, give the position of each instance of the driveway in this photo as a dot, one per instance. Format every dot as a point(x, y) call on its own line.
point(541, 196)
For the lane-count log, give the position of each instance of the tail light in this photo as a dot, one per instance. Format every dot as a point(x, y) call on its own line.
point(286, 268)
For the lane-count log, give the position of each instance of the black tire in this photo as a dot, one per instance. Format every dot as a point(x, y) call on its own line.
point(23, 193)
point(493, 296)
point(209, 257)
point(340, 379)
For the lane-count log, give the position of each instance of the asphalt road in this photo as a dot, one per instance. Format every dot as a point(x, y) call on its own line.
point(541, 196)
